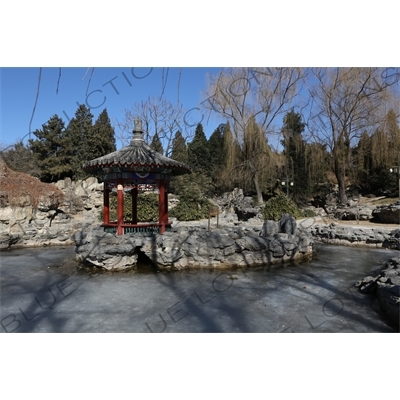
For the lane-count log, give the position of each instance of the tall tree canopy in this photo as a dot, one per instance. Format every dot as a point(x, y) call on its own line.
point(376, 154)
point(52, 150)
point(61, 152)
point(262, 94)
point(347, 102)
point(294, 149)
point(102, 139)
point(179, 148)
point(199, 152)
point(156, 144)
point(79, 131)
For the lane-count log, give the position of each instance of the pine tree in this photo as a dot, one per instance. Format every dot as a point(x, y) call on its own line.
point(179, 148)
point(216, 146)
point(80, 131)
point(295, 151)
point(102, 139)
point(51, 150)
point(199, 153)
point(156, 144)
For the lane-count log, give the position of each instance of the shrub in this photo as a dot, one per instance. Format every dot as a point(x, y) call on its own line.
point(309, 213)
point(276, 206)
point(147, 207)
point(187, 210)
point(193, 205)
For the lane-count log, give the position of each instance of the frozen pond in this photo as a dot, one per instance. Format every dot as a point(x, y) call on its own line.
point(40, 295)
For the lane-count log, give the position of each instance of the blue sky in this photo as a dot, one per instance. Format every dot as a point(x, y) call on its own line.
point(113, 88)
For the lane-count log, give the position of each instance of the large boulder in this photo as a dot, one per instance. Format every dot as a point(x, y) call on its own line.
point(270, 228)
point(388, 214)
point(287, 224)
point(238, 203)
point(228, 200)
point(245, 209)
point(386, 286)
point(354, 213)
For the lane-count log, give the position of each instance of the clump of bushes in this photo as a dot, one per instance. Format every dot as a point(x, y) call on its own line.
point(193, 204)
point(309, 214)
point(281, 204)
point(147, 207)
point(191, 209)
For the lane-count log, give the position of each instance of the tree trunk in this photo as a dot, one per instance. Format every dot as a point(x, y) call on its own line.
point(342, 189)
point(260, 199)
point(340, 176)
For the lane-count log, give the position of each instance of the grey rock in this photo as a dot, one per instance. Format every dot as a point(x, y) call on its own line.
point(387, 288)
point(236, 202)
point(228, 200)
point(245, 212)
point(355, 236)
point(387, 214)
point(287, 224)
point(362, 213)
point(389, 300)
point(369, 286)
point(177, 250)
point(252, 243)
point(270, 228)
point(394, 280)
point(395, 233)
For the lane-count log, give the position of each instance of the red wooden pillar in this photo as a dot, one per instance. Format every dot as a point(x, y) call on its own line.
point(120, 208)
point(165, 206)
point(106, 204)
point(161, 205)
point(134, 193)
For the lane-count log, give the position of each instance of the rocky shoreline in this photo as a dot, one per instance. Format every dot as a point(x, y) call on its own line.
point(386, 286)
point(193, 247)
point(356, 236)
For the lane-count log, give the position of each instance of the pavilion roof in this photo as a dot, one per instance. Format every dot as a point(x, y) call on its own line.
point(137, 155)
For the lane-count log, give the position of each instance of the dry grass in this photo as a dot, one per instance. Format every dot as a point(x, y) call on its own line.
point(17, 188)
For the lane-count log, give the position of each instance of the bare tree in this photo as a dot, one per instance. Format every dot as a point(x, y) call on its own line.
point(345, 103)
point(244, 95)
point(159, 116)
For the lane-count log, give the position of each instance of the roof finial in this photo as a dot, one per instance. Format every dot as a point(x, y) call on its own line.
point(137, 129)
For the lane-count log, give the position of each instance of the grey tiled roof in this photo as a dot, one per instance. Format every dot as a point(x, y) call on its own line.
point(137, 154)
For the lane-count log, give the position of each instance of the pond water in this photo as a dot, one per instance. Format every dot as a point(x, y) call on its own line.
point(42, 292)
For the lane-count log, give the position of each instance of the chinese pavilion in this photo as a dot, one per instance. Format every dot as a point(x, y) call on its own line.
point(131, 169)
